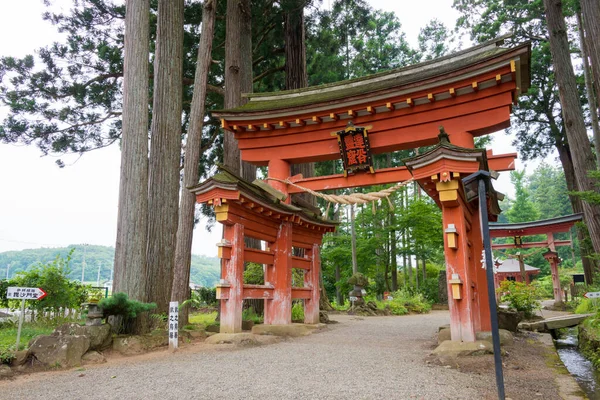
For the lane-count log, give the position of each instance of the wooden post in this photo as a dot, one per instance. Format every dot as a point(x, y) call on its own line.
point(311, 280)
point(553, 259)
point(278, 310)
point(233, 274)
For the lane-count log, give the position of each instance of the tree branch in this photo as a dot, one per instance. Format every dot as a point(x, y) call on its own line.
point(268, 72)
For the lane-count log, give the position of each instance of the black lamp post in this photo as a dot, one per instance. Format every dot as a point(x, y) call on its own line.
point(476, 184)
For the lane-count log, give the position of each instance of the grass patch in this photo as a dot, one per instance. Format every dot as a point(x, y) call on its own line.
point(203, 318)
point(8, 337)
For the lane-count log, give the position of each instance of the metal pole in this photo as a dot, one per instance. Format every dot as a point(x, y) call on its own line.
point(7, 269)
point(20, 323)
point(83, 264)
point(485, 231)
point(98, 278)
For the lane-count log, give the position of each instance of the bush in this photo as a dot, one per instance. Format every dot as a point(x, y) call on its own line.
point(413, 303)
point(520, 297)
point(249, 314)
point(298, 311)
point(254, 274)
point(121, 306)
point(52, 277)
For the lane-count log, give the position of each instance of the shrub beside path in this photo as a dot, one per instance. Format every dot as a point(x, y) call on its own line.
point(359, 358)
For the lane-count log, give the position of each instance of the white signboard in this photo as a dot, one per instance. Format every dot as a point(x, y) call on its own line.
point(173, 324)
point(25, 293)
point(592, 295)
point(353, 298)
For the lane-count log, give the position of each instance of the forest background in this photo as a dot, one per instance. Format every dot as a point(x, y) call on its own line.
point(73, 105)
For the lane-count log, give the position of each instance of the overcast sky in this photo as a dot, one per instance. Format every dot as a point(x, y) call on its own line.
point(42, 205)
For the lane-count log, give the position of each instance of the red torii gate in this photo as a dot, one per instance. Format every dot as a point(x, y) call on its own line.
point(469, 93)
point(546, 227)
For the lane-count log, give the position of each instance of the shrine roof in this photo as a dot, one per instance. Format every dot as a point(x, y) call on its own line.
point(558, 224)
point(455, 66)
point(512, 266)
point(226, 179)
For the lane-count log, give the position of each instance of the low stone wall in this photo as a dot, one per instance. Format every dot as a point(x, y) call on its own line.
point(589, 343)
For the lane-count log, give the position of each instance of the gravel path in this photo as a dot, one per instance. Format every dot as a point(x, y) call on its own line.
point(370, 358)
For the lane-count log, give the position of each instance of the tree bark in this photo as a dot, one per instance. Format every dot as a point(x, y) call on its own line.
point(165, 152)
point(590, 10)
point(583, 159)
point(187, 206)
point(567, 163)
point(238, 77)
point(130, 248)
point(589, 89)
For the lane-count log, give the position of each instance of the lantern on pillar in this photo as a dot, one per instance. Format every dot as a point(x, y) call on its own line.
point(452, 236)
point(456, 284)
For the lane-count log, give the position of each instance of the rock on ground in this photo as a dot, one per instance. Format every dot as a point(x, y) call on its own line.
point(59, 351)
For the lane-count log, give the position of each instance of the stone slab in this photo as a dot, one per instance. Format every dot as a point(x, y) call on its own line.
point(506, 338)
point(238, 339)
point(451, 348)
point(290, 330)
point(566, 321)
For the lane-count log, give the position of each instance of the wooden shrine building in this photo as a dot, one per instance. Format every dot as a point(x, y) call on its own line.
point(547, 227)
point(469, 93)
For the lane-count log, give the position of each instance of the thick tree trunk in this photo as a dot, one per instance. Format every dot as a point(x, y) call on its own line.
point(576, 204)
point(583, 159)
point(589, 89)
point(132, 221)
point(187, 207)
point(238, 77)
point(590, 10)
point(165, 152)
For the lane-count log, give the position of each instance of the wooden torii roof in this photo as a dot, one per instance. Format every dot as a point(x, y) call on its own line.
point(469, 91)
point(541, 227)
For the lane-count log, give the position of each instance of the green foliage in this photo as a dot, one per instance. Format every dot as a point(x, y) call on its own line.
point(586, 306)
point(520, 297)
point(120, 305)
point(249, 314)
point(412, 302)
point(205, 271)
point(201, 297)
point(358, 279)
point(254, 274)
point(522, 209)
point(297, 311)
point(53, 278)
point(203, 318)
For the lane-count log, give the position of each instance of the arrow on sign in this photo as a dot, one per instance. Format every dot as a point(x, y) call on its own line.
point(592, 295)
point(25, 293)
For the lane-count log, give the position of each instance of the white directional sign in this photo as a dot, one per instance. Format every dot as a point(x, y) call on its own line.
point(25, 293)
point(592, 295)
point(173, 325)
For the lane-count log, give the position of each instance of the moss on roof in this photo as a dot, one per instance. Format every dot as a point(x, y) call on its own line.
point(413, 73)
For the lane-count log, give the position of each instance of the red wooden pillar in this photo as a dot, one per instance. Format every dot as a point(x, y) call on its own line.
point(483, 321)
point(279, 169)
point(553, 259)
point(311, 280)
point(458, 263)
point(278, 310)
point(233, 274)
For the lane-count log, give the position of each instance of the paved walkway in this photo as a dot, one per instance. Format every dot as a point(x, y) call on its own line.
point(371, 358)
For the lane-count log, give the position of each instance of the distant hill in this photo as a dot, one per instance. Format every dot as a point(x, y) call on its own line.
point(205, 270)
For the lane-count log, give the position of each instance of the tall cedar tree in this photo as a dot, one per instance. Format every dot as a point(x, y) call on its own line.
point(581, 153)
point(165, 150)
point(132, 219)
point(185, 230)
point(238, 76)
point(591, 22)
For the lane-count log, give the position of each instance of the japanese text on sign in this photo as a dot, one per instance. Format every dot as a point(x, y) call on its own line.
point(173, 324)
point(355, 149)
point(25, 293)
